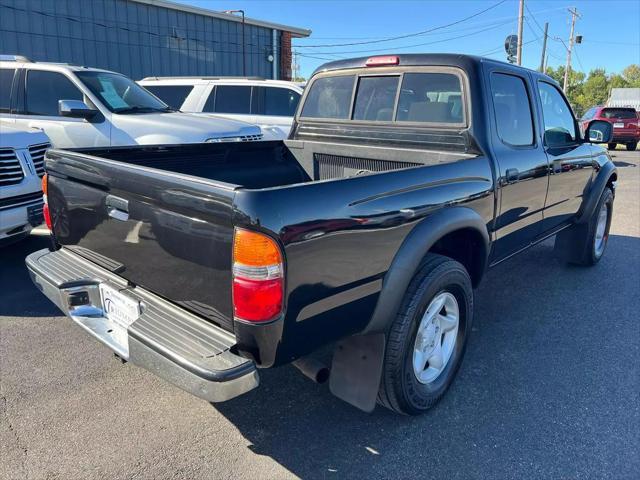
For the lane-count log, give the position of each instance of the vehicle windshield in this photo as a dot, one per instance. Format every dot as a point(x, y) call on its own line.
point(625, 113)
point(121, 94)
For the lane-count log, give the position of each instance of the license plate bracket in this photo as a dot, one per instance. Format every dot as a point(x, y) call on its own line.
point(118, 307)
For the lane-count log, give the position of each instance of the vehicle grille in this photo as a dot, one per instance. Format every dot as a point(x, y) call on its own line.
point(337, 166)
point(37, 156)
point(10, 168)
point(251, 138)
point(21, 200)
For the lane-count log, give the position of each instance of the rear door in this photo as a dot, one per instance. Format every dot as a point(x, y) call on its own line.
point(275, 106)
point(6, 88)
point(522, 164)
point(570, 162)
point(231, 101)
point(169, 233)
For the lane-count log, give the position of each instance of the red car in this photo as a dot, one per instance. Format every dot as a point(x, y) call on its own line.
point(625, 120)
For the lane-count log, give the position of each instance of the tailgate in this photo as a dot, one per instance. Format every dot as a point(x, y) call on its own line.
point(169, 233)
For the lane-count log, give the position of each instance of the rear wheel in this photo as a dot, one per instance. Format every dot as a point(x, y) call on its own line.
point(612, 146)
point(631, 146)
point(427, 340)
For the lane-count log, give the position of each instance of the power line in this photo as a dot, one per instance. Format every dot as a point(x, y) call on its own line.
point(394, 48)
point(408, 35)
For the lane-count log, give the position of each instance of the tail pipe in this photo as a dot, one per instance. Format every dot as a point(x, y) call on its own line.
point(312, 368)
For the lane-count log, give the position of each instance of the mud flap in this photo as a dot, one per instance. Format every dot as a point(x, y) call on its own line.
point(356, 370)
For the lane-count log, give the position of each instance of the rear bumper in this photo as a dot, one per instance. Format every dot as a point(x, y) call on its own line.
point(174, 344)
point(625, 137)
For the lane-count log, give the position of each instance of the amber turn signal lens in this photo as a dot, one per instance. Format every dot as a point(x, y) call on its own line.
point(44, 184)
point(255, 249)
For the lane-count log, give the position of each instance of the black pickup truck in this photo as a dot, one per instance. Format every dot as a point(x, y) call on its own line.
point(404, 179)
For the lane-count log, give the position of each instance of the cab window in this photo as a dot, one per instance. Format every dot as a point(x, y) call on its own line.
point(229, 99)
point(512, 109)
point(44, 89)
point(6, 80)
point(274, 101)
point(559, 126)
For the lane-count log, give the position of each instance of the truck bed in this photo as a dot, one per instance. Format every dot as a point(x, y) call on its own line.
point(163, 218)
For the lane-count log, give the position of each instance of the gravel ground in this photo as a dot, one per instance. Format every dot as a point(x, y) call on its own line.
point(549, 388)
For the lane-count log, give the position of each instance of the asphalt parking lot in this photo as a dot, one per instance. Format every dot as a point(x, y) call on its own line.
point(550, 388)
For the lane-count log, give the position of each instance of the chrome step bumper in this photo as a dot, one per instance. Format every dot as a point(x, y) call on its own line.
point(167, 340)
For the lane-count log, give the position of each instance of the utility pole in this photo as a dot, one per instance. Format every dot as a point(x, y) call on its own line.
point(520, 20)
point(574, 15)
point(544, 46)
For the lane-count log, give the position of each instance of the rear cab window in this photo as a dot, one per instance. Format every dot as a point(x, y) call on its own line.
point(432, 96)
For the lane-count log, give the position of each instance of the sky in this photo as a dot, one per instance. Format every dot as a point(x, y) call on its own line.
point(610, 29)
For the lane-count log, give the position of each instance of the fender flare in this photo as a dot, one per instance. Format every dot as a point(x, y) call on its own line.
point(592, 197)
point(415, 246)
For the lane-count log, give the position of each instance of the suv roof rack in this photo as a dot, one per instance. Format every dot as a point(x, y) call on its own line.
point(196, 77)
point(14, 58)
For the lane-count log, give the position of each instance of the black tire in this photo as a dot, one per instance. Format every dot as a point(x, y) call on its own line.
point(577, 244)
point(400, 389)
point(612, 146)
point(632, 146)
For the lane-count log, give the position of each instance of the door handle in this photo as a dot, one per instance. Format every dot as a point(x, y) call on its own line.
point(512, 175)
point(117, 208)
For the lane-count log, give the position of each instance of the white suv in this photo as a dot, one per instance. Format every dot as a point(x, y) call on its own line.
point(21, 167)
point(87, 107)
point(271, 104)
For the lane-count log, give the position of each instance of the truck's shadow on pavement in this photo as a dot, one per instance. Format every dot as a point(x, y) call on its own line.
point(20, 297)
point(546, 389)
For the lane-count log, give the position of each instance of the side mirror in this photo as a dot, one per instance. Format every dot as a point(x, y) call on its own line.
point(75, 109)
point(599, 131)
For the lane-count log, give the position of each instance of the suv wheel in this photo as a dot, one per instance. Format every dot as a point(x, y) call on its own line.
point(427, 340)
point(631, 146)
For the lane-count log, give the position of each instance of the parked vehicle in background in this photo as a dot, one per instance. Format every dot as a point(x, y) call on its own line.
point(625, 121)
point(270, 104)
point(367, 229)
point(21, 167)
point(87, 107)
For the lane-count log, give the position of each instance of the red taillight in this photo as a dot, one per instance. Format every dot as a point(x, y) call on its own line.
point(47, 216)
point(382, 61)
point(45, 208)
point(257, 277)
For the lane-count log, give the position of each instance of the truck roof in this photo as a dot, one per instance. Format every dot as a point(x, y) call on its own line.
point(418, 60)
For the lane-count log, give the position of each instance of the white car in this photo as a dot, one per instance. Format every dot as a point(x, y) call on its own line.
point(21, 167)
point(87, 107)
point(271, 104)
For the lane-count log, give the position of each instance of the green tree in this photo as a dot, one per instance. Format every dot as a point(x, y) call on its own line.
point(617, 81)
point(632, 75)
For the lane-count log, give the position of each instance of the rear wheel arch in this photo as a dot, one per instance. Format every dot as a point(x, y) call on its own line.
point(458, 232)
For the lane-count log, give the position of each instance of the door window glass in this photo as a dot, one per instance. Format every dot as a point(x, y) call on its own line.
point(559, 127)
point(44, 89)
point(229, 99)
point(512, 109)
point(279, 102)
point(172, 95)
point(6, 79)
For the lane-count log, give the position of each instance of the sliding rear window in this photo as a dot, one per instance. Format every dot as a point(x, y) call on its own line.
point(407, 97)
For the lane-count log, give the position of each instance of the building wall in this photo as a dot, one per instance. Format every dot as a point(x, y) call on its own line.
point(135, 39)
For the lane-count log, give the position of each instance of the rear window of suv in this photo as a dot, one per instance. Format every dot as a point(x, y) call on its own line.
point(622, 113)
point(417, 97)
